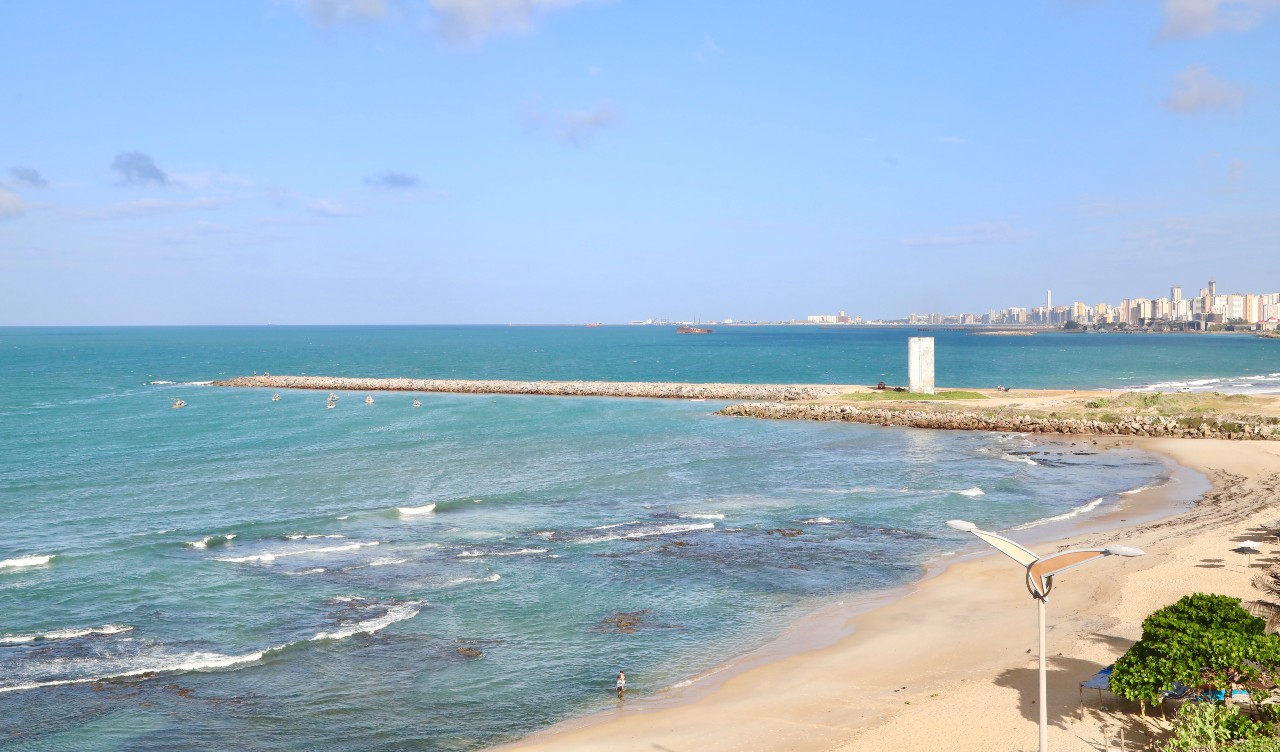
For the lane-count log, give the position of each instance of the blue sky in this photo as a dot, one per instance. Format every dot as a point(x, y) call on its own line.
point(563, 161)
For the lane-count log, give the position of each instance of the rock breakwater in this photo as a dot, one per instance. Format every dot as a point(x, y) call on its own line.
point(1198, 427)
point(657, 390)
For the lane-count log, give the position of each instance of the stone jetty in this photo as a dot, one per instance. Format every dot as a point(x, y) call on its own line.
point(1182, 426)
point(657, 390)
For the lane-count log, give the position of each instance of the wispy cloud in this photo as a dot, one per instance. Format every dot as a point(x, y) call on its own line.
point(331, 209)
point(465, 21)
point(983, 233)
point(454, 21)
point(136, 168)
point(11, 205)
point(28, 177)
point(1197, 18)
point(574, 126)
point(1236, 170)
point(200, 181)
point(1196, 90)
point(151, 207)
point(708, 49)
point(326, 13)
point(392, 180)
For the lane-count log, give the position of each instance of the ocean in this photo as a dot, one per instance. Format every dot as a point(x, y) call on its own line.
point(268, 575)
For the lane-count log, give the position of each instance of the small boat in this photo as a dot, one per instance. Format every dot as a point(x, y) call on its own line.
point(698, 399)
point(368, 400)
point(331, 404)
point(417, 403)
point(333, 397)
point(693, 330)
point(275, 398)
point(593, 325)
point(179, 403)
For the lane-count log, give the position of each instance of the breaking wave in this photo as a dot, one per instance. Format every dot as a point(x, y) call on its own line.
point(22, 562)
point(369, 626)
point(975, 491)
point(272, 556)
point(63, 634)
point(1082, 509)
point(416, 511)
point(212, 540)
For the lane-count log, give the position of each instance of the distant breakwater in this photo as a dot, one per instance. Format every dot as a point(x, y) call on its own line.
point(656, 390)
point(1197, 427)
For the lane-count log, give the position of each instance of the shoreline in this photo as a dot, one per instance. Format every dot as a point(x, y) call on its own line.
point(955, 649)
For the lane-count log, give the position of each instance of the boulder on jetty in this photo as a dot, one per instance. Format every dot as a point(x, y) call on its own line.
point(658, 390)
point(1197, 427)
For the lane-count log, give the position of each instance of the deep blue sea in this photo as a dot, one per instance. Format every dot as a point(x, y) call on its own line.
point(261, 575)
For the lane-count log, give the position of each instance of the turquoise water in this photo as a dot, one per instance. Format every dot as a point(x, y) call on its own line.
point(274, 575)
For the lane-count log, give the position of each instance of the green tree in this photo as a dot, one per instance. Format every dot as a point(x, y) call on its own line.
point(1202, 640)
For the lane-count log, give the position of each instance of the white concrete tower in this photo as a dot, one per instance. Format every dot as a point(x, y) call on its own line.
point(920, 364)
point(1048, 300)
point(1175, 293)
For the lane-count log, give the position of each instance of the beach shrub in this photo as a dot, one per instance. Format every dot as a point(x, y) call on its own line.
point(1209, 726)
point(1201, 641)
point(1257, 744)
point(1096, 403)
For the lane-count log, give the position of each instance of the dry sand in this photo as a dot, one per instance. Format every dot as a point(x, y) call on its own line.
point(952, 664)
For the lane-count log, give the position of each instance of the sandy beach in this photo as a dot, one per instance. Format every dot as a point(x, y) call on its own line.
point(952, 664)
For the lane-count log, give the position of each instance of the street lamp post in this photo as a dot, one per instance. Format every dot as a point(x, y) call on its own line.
point(1040, 572)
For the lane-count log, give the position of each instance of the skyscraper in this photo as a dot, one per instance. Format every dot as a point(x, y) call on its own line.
point(1175, 294)
point(1213, 289)
point(1048, 300)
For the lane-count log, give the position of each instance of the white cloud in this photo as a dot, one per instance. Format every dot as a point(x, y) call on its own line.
point(1195, 18)
point(474, 20)
point(332, 209)
point(11, 206)
point(150, 207)
point(574, 126)
point(1196, 89)
point(983, 233)
point(326, 13)
point(1236, 170)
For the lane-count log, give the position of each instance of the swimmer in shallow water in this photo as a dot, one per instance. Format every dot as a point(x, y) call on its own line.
point(622, 683)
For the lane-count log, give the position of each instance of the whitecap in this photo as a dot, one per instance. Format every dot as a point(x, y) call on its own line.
point(1083, 509)
point(272, 556)
point(191, 662)
point(300, 536)
point(22, 562)
point(64, 634)
point(817, 521)
point(701, 516)
point(386, 562)
point(1019, 458)
point(416, 511)
point(648, 531)
point(369, 626)
point(161, 383)
point(619, 524)
point(975, 491)
point(464, 580)
point(208, 540)
point(517, 552)
point(342, 517)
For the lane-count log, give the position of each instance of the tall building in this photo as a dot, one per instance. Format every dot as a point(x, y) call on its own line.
point(1175, 294)
point(1213, 289)
point(1048, 300)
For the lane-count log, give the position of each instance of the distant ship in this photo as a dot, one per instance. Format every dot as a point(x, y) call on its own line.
point(593, 325)
point(693, 330)
point(417, 403)
point(368, 400)
point(275, 398)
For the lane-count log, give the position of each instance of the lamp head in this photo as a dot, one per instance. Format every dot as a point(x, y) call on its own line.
point(962, 526)
point(1124, 551)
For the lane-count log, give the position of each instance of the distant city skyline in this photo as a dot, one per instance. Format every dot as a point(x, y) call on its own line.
point(528, 161)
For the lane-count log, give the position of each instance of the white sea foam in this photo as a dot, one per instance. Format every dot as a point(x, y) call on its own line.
point(23, 562)
point(975, 491)
point(416, 511)
point(1083, 509)
point(517, 552)
point(316, 570)
point(369, 626)
point(386, 562)
point(817, 521)
point(161, 383)
point(167, 665)
point(465, 580)
point(648, 531)
point(618, 524)
point(272, 556)
point(300, 536)
point(64, 634)
point(701, 516)
point(208, 539)
point(1019, 458)
point(342, 517)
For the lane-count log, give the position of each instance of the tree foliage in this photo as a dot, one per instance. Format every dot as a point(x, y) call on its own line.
point(1200, 641)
